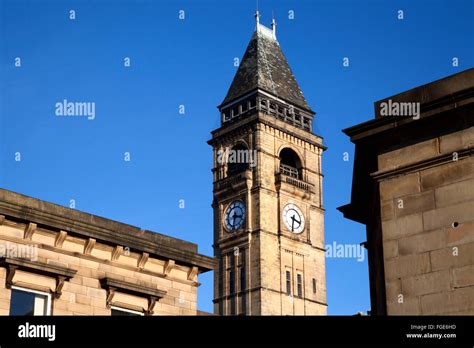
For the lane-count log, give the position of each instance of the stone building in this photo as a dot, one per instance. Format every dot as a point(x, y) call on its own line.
point(60, 261)
point(413, 188)
point(268, 209)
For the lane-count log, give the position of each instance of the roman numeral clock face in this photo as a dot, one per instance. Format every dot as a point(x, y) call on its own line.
point(293, 218)
point(234, 216)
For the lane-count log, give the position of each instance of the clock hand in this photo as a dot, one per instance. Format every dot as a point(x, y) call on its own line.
point(233, 218)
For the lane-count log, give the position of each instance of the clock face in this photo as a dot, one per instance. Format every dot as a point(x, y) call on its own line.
point(235, 215)
point(293, 218)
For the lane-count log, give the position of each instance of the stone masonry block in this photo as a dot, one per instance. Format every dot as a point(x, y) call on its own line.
point(422, 242)
point(399, 186)
point(403, 226)
point(405, 266)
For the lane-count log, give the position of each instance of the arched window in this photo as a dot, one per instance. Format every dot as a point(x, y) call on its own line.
point(290, 163)
point(238, 159)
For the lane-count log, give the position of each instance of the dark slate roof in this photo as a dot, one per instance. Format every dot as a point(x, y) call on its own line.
point(265, 67)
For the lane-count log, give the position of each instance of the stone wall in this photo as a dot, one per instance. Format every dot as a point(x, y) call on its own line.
point(270, 249)
point(93, 261)
point(427, 212)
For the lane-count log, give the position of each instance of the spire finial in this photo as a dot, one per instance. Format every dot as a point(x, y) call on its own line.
point(274, 26)
point(257, 17)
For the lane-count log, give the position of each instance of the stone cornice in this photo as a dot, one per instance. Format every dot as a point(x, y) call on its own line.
point(225, 131)
point(58, 218)
point(431, 162)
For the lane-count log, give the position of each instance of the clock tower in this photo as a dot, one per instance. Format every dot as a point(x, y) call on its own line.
point(267, 191)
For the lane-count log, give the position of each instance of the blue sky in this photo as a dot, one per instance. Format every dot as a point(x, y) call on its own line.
point(190, 62)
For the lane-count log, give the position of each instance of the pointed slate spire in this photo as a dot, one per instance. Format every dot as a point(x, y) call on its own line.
point(264, 67)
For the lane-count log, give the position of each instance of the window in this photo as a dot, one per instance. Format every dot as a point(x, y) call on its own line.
point(231, 274)
point(221, 278)
point(29, 302)
point(232, 305)
point(243, 285)
point(242, 278)
point(290, 163)
point(117, 311)
point(288, 282)
point(253, 103)
point(232, 284)
point(238, 160)
point(299, 285)
point(314, 285)
point(243, 304)
point(235, 112)
point(221, 283)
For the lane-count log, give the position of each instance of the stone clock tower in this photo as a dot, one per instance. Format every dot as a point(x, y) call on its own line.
point(268, 212)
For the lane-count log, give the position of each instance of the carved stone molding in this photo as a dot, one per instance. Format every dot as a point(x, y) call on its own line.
point(142, 260)
point(53, 217)
point(61, 274)
point(89, 246)
point(192, 273)
point(148, 291)
point(29, 231)
point(60, 238)
point(118, 250)
point(169, 265)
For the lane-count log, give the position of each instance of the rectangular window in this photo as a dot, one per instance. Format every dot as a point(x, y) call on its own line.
point(29, 302)
point(117, 311)
point(220, 284)
point(232, 305)
point(220, 278)
point(314, 285)
point(288, 282)
point(243, 284)
point(232, 284)
point(299, 285)
point(243, 304)
point(243, 275)
point(230, 269)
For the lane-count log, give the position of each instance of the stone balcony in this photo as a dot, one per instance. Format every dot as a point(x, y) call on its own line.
point(235, 181)
point(282, 179)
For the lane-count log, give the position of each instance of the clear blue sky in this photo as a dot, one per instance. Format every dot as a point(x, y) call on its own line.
point(190, 62)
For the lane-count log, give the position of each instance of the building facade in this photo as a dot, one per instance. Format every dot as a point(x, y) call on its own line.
point(413, 188)
point(60, 261)
point(267, 191)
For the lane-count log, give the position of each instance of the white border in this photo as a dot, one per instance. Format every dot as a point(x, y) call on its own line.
point(48, 296)
point(126, 310)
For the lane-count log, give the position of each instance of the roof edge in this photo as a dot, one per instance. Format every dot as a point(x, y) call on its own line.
point(57, 217)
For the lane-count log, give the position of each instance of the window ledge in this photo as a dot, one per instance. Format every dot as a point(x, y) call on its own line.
point(112, 285)
point(61, 274)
